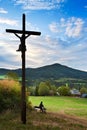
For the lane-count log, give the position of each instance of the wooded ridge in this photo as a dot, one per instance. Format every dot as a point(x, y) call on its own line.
point(54, 71)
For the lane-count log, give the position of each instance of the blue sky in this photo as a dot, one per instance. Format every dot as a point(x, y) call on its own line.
point(63, 27)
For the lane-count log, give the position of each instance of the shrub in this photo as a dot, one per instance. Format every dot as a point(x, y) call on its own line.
point(9, 94)
point(64, 90)
point(29, 105)
point(43, 89)
point(83, 90)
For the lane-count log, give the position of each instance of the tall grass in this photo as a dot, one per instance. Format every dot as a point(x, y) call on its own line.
point(38, 121)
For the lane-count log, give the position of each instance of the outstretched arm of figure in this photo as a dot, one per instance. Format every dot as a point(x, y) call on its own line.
point(22, 35)
point(17, 35)
point(27, 36)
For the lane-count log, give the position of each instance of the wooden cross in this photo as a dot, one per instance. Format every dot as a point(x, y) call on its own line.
point(22, 48)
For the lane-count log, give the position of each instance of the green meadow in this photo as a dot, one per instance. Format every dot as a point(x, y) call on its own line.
point(2, 77)
point(68, 105)
point(63, 113)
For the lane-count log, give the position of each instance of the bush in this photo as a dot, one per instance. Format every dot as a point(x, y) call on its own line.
point(43, 89)
point(64, 90)
point(29, 105)
point(1, 102)
point(10, 94)
point(83, 90)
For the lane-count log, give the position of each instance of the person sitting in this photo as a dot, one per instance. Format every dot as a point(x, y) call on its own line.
point(41, 107)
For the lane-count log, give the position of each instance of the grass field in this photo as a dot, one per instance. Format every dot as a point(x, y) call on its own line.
point(67, 105)
point(2, 77)
point(58, 116)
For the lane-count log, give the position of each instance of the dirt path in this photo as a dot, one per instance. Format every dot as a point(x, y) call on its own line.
point(69, 118)
point(60, 121)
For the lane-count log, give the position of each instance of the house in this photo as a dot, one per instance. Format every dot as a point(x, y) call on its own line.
point(75, 92)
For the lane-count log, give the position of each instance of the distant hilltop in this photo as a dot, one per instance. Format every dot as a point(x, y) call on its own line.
point(54, 71)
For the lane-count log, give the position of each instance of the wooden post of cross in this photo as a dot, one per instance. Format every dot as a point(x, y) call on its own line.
point(22, 48)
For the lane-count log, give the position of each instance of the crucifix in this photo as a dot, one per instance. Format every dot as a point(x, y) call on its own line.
point(22, 48)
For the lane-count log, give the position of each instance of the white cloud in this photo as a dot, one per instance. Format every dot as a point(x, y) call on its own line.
point(71, 27)
point(40, 4)
point(3, 11)
point(54, 27)
point(43, 51)
point(46, 50)
point(9, 58)
point(31, 27)
point(74, 27)
point(8, 21)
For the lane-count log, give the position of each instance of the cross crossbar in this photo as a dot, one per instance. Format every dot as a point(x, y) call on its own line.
point(21, 32)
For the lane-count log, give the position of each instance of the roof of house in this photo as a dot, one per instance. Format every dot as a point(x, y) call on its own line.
point(75, 92)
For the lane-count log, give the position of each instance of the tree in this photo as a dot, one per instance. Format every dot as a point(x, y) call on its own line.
point(59, 90)
point(31, 90)
point(64, 90)
point(43, 89)
point(83, 90)
point(52, 90)
point(12, 75)
point(48, 84)
point(36, 90)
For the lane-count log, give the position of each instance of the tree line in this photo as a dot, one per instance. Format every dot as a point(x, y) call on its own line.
point(46, 89)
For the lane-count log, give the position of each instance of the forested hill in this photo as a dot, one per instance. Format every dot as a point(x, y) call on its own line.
point(54, 71)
